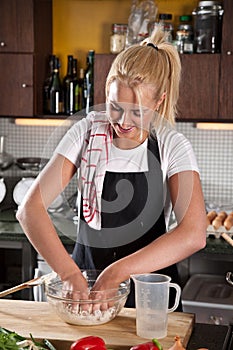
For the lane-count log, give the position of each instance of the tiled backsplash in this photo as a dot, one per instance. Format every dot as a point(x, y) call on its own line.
point(214, 152)
point(213, 149)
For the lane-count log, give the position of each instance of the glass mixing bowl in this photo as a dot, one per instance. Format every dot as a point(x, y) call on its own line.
point(95, 308)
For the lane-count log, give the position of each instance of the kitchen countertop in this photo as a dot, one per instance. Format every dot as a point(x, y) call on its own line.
point(42, 321)
point(10, 230)
point(35, 317)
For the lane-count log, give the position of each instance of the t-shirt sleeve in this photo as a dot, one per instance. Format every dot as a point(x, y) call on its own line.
point(177, 154)
point(71, 144)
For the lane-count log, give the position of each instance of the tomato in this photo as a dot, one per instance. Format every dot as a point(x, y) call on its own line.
point(90, 342)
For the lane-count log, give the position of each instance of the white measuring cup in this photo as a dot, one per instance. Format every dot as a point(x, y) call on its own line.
point(152, 298)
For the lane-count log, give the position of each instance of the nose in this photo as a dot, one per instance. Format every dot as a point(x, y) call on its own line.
point(125, 118)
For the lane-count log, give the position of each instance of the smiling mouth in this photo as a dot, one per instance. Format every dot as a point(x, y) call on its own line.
point(125, 130)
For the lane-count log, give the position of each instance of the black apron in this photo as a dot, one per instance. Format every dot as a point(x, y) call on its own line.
point(132, 217)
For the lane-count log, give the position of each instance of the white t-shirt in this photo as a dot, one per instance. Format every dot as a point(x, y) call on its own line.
point(176, 154)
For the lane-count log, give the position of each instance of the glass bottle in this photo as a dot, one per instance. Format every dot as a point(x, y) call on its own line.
point(46, 85)
point(89, 81)
point(68, 87)
point(75, 82)
point(75, 70)
point(56, 90)
point(79, 92)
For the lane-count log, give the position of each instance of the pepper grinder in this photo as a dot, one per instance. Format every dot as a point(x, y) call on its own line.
point(6, 159)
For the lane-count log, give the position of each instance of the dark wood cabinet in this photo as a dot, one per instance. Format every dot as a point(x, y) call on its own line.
point(207, 81)
point(226, 76)
point(206, 87)
point(26, 41)
point(16, 84)
point(199, 87)
point(102, 65)
point(16, 26)
point(25, 45)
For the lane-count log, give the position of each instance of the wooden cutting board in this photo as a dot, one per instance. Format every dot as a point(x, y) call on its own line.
point(39, 319)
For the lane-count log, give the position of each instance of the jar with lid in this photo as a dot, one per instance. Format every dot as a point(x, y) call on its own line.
point(208, 26)
point(165, 21)
point(184, 35)
point(117, 39)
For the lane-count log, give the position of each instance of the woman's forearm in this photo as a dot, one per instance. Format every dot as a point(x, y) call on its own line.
point(36, 222)
point(41, 232)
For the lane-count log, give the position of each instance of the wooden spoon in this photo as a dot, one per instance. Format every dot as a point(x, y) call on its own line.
point(32, 283)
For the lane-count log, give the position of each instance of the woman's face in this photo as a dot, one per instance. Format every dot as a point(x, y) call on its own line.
point(125, 111)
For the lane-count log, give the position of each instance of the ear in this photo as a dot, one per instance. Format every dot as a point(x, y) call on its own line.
point(162, 98)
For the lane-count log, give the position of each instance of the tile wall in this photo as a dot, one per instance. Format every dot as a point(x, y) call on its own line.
point(214, 152)
point(213, 149)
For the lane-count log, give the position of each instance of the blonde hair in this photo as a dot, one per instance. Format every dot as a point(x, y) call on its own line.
point(157, 65)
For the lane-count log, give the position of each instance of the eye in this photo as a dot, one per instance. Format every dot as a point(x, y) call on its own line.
point(116, 108)
point(137, 113)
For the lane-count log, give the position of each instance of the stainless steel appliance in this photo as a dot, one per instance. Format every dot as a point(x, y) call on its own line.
point(208, 26)
point(210, 297)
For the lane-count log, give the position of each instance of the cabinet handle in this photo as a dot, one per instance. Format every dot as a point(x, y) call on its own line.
point(228, 53)
point(2, 44)
point(24, 85)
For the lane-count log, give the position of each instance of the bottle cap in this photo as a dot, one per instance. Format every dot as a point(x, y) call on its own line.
point(207, 3)
point(165, 16)
point(186, 18)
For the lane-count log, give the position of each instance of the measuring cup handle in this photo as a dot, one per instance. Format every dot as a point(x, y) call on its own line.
point(177, 299)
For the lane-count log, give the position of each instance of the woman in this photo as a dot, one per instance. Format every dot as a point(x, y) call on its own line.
point(133, 169)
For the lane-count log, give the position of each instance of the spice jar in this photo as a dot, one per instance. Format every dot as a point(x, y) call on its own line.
point(117, 39)
point(165, 21)
point(184, 35)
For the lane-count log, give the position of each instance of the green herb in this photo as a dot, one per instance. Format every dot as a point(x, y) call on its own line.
point(8, 339)
point(12, 341)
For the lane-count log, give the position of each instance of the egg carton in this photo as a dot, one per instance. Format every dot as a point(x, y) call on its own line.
point(211, 231)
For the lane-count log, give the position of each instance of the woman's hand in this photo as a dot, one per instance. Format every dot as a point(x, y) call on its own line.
point(106, 287)
point(75, 288)
point(110, 277)
point(76, 282)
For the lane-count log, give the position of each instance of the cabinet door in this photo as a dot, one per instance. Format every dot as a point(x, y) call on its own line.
point(16, 26)
point(16, 84)
point(102, 65)
point(226, 77)
point(199, 87)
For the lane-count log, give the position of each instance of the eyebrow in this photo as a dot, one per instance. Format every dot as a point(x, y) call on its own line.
point(121, 104)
